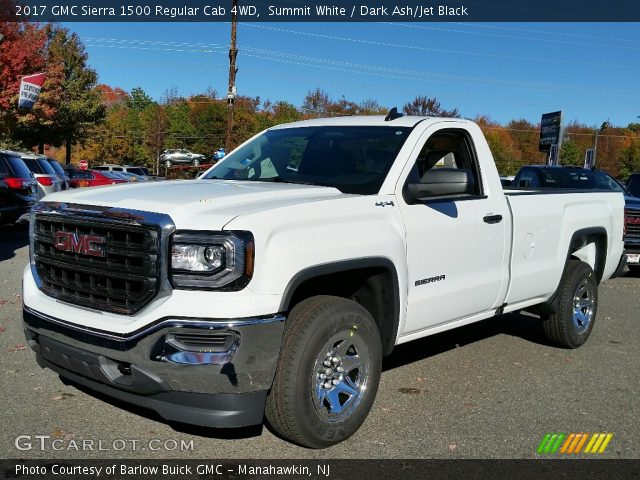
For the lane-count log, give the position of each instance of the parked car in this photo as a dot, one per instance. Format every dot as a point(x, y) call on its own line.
point(60, 171)
point(18, 187)
point(181, 156)
point(92, 178)
point(139, 171)
point(48, 179)
point(544, 176)
point(633, 184)
point(259, 291)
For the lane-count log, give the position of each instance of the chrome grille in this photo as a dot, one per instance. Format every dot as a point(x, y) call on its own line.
point(633, 229)
point(124, 280)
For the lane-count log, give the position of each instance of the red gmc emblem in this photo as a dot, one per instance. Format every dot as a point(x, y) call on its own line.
point(92, 245)
point(633, 220)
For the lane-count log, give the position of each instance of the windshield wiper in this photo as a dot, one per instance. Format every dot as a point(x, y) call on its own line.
point(283, 180)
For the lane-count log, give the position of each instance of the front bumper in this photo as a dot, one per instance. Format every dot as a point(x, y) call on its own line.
point(210, 372)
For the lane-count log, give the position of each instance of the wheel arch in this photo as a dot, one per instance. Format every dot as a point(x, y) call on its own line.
point(377, 274)
point(595, 256)
point(579, 249)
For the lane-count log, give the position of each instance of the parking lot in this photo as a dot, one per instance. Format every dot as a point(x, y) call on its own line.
point(490, 390)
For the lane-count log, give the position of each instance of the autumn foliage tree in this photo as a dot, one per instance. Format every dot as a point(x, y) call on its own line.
point(21, 54)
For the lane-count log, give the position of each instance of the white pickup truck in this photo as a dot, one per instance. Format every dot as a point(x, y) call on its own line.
point(274, 284)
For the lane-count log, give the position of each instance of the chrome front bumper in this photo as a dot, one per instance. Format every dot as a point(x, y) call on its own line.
point(173, 366)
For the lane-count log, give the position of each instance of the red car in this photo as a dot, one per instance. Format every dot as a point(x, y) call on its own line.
point(92, 178)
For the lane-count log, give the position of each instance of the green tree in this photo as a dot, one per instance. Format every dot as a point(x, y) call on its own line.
point(138, 99)
point(81, 106)
point(570, 153)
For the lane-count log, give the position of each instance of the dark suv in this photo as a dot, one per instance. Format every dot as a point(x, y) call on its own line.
point(17, 188)
point(544, 176)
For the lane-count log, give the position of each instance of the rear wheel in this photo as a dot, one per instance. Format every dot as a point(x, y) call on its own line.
point(167, 163)
point(328, 372)
point(196, 162)
point(575, 309)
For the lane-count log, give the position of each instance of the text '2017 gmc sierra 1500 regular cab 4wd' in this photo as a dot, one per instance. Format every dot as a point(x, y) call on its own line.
point(275, 283)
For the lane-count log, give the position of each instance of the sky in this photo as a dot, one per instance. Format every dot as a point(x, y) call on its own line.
point(506, 71)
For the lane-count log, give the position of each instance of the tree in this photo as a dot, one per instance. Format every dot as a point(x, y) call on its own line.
point(154, 124)
point(569, 153)
point(81, 107)
point(138, 99)
point(21, 54)
point(431, 107)
point(316, 103)
point(112, 96)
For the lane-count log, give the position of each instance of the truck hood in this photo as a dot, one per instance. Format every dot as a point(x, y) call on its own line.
point(198, 204)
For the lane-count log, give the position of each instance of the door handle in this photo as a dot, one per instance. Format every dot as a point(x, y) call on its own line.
point(492, 219)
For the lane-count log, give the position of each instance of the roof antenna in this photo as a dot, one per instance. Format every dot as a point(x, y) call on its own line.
point(392, 115)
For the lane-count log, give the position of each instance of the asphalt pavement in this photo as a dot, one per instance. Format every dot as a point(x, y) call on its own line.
point(489, 390)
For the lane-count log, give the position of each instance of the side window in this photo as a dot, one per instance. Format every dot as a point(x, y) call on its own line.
point(117, 169)
point(450, 149)
point(3, 167)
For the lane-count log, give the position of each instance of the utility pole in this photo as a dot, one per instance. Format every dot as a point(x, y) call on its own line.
point(231, 92)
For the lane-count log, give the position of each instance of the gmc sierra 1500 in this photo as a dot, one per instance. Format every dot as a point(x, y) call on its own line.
point(284, 274)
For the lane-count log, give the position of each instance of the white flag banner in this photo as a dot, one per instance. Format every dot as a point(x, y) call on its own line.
point(30, 89)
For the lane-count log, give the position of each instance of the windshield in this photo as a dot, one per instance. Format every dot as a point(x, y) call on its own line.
point(351, 159)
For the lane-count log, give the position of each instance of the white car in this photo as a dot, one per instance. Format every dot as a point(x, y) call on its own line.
point(260, 289)
point(48, 179)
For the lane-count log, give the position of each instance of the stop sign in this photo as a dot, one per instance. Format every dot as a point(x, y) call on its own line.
point(83, 164)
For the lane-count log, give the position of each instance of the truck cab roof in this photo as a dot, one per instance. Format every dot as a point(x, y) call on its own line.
point(369, 121)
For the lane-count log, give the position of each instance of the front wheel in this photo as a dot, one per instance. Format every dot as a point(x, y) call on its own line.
point(167, 163)
point(576, 306)
point(328, 372)
point(196, 162)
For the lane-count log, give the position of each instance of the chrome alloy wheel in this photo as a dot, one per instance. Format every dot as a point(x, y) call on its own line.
point(340, 376)
point(583, 303)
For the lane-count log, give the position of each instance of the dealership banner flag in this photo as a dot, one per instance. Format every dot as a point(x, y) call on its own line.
point(30, 89)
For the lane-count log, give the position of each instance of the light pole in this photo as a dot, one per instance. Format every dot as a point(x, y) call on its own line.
point(595, 146)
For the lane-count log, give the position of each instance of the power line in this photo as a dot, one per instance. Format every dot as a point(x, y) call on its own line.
point(438, 50)
point(391, 73)
point(512, 37)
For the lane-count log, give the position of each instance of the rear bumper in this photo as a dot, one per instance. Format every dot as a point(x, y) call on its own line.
point(219, 383)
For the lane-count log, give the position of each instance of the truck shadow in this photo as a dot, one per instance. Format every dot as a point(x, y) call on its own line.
point(522, 325)
point(12, 238)
point(205, 432)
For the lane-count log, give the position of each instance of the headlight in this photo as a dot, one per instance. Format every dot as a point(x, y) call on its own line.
point(211, 260)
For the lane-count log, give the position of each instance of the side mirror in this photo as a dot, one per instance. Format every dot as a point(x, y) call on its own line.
point(442, 182)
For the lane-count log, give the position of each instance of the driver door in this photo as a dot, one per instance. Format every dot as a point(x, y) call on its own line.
point(456, 245)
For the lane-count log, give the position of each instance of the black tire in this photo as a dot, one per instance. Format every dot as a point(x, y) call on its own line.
point(167, 163)
point(569, 326)
point(299, 404)
point(196, 162)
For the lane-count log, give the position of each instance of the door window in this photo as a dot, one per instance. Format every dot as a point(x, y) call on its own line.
point(452, 149)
